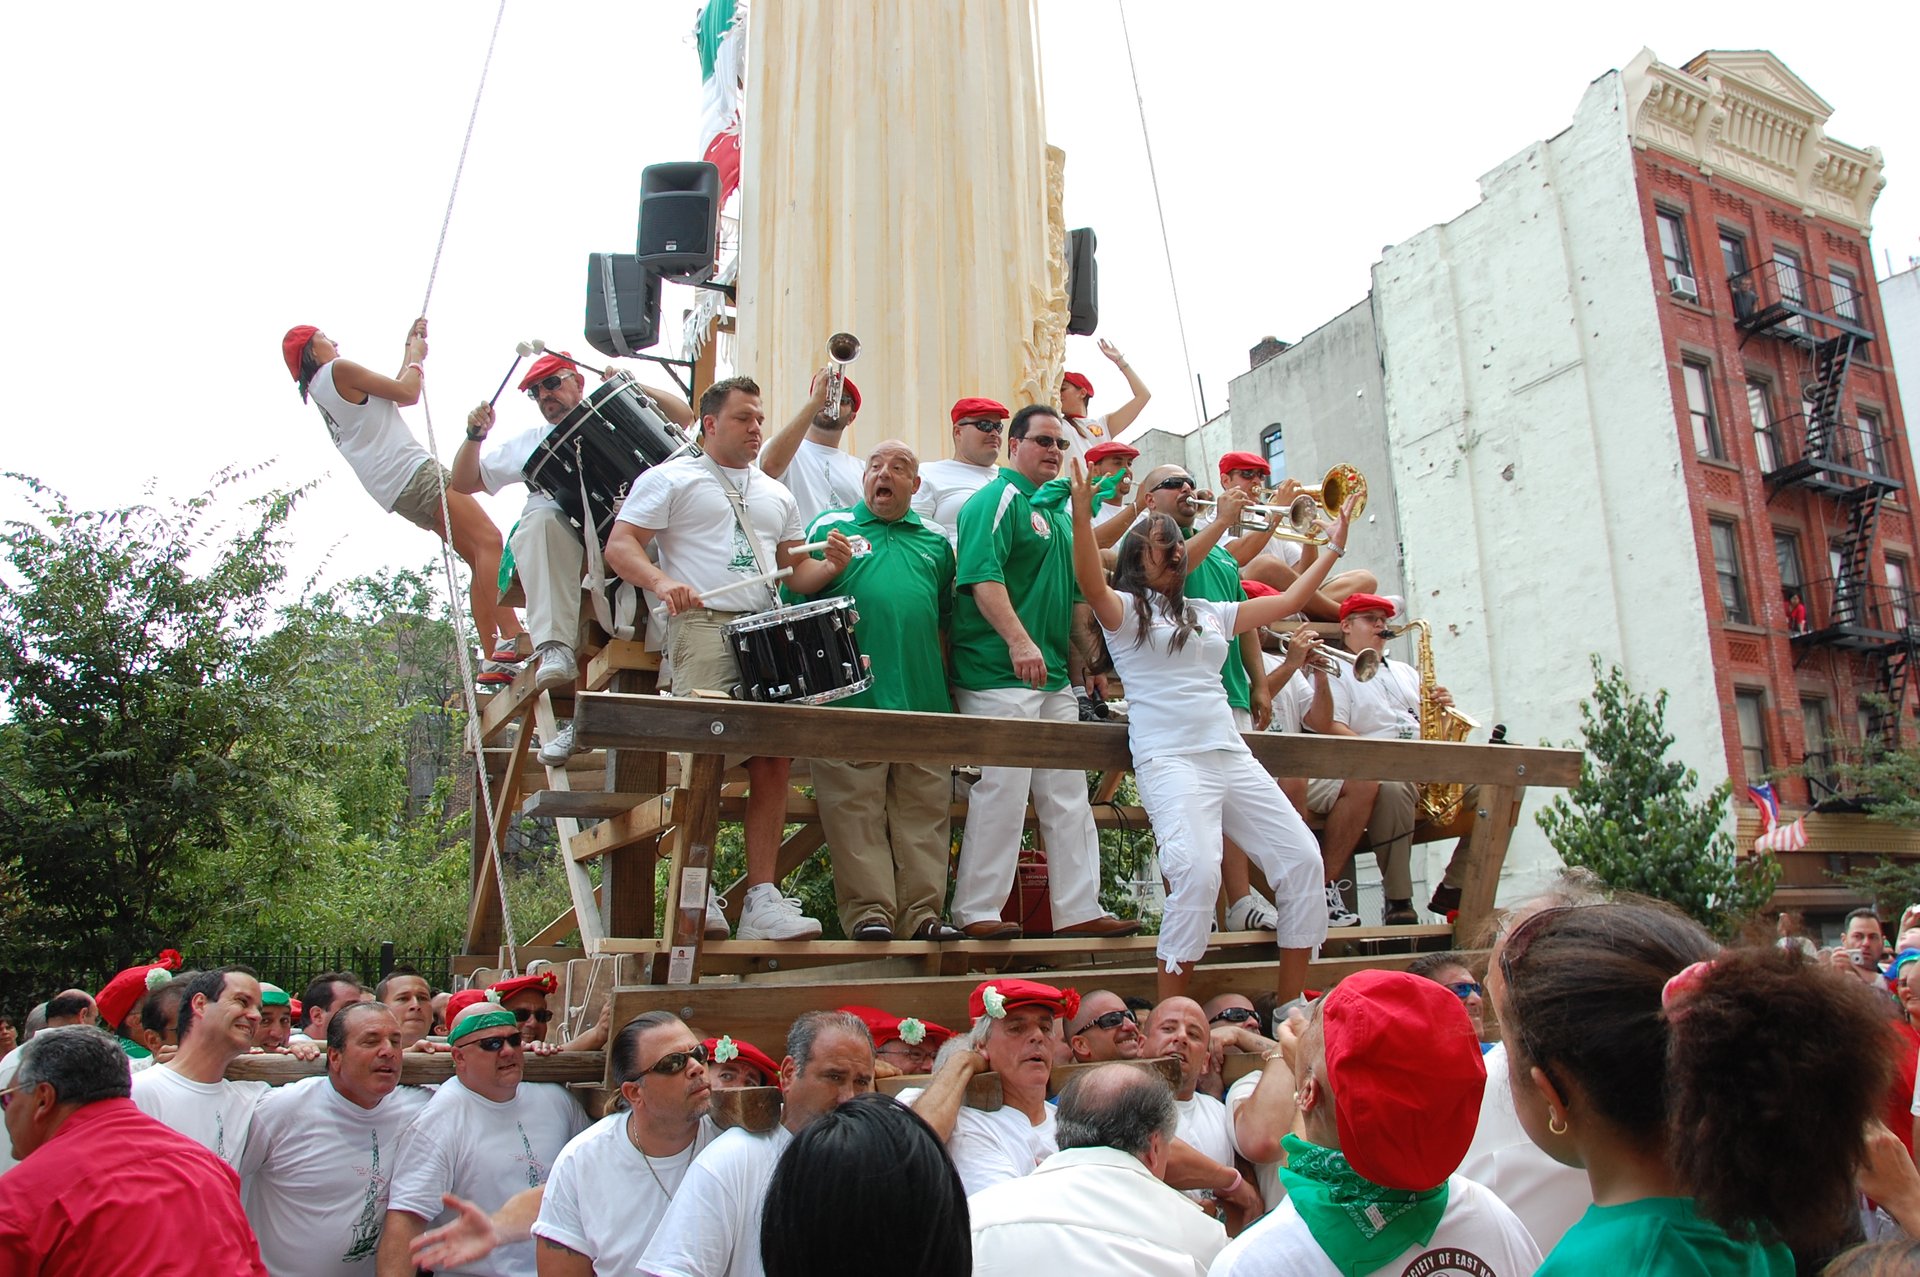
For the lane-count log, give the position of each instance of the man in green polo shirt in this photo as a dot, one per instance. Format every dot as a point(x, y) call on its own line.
point(1010, 638)
point(886, 823)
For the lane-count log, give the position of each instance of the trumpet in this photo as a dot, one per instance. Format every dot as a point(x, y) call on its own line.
point(1297, 521)
point(1364, 664)
point(842, 349)
point(1331, 493)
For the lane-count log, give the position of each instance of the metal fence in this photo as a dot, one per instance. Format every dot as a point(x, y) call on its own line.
point(293, 967)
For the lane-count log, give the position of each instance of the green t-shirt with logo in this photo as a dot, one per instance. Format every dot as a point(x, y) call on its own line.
point(900, 579)
point(1216, 579)
point(1003, 538)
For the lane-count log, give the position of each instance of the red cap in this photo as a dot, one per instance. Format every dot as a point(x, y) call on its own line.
point(1101, 451)
point(1244, 461)
point(544, 983)
point(850, 392)
point(1406, 1074)
point(885, 1026)
point(977, 407)
point(1364, 603)
point(752, 1055)
point(1077, 379)
point(1008, 994)
point(294, 345)
point(547, 365)
point(1257, 589)
point(294, 1005)
point(129, 986)
point(461, 1001)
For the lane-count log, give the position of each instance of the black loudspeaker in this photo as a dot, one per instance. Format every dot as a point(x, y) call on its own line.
point(679, 219)
point(1083, 282)
point(623, 304)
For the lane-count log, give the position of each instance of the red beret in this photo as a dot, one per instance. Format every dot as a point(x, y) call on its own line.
point(885, 1026)
point(1078, 379)
point(1405, 1070)
point(547, 365)
point(544, 983)
point(1064, 1003)
point(1101, 451)
point(752, 1055)
point(1257, 589)
point(294, 345)
point(850, 392)
point(1364, 603)
point(978, 407)
point(461, 1001)
point(294, 1005)
point(1244, 461)
point(116, 1000)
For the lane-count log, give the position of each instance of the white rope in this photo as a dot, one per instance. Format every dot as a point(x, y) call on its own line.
point(1166, 243)
point(485, 795)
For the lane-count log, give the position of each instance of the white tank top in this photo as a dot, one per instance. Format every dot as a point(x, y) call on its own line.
point(371, 436)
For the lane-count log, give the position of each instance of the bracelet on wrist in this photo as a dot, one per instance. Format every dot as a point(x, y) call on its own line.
point(1232, 1186)
point(475, 438)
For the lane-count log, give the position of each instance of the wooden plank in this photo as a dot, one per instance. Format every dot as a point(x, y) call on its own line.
point(744, 728)
point(648, 819)
point(421, 1068)
point(1497, 811)
point(554, 953)
point(618, 655)
point(688, 878)
point(580, 804)
point(586, 901)
point(485, 897)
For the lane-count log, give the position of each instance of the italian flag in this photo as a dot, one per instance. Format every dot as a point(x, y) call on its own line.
point(722, 38)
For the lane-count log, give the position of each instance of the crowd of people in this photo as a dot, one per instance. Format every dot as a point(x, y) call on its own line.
point(1652, 1103)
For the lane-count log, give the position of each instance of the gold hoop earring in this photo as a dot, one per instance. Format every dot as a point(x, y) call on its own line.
point(1552, 1119)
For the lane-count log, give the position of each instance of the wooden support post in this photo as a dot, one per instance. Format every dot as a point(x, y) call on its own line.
point(688, 877)
point(485, 901)
point(628, 873)
point(1497, 811)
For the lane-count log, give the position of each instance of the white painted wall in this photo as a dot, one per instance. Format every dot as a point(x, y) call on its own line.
point(1900, 305)
point(1536, 465)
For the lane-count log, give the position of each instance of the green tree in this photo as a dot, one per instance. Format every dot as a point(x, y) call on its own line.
point(1633, 820)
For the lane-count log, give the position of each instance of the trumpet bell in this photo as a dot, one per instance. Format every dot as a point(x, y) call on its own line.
point(843, 348)
point(1341, 481)
point(1366, 664)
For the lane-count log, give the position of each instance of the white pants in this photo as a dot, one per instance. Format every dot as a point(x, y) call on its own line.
point(1192, 799)
point(997, 808)
point(551, 561)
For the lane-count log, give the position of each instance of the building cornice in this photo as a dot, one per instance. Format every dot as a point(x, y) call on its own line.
point(1745, 116)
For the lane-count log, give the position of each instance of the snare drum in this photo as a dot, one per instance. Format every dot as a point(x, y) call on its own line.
point(799, 655)
point(611, 437)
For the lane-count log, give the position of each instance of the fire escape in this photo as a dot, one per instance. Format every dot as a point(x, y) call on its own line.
point(1845, 462)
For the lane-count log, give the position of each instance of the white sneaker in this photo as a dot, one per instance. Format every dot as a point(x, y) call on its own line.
point(717, 928)
point(768, 915)
point(1252, 912)
point(557, 667)
point(1338, 915)
point(557, 751)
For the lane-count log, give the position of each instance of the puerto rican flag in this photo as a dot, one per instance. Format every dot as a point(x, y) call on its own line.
point(1769, 804)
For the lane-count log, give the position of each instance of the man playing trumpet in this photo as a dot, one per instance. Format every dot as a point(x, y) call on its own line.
point(1279, 561)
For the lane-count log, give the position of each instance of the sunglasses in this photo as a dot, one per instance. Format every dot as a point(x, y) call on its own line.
point(1464, 989)
point(496, 1045)
point(1047, 441)
point(986, 427)
point(674, 1062)
point(1109, 1022)
point(554, 382)
point(1168, 485)
point(6, 1096)
point(543, 1015)
point(1236, 1015)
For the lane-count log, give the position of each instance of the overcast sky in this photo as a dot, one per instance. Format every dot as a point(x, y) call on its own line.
point(191, 181)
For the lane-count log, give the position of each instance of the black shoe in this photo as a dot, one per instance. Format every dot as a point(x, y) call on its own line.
point(872, 930)
point(1399, 914)
point(1446, 900)
point(936, 930)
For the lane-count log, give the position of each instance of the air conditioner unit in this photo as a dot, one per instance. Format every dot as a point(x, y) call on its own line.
point(1683, 286)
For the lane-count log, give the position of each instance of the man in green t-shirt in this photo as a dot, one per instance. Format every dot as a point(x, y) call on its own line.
point(1010, 639)
point(886, 823)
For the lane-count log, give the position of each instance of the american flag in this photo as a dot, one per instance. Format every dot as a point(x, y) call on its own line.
point(1784, 837)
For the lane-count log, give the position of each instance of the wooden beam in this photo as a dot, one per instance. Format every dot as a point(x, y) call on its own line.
point(628, 874)
point(484, 899)
point(646, 819)
point(874, 735)
point(616, 656)
point(688, 878)
point(1497, 811)
point(582, 804)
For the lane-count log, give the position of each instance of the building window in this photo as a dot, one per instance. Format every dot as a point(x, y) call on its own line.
point(1726, 567)
point(1733, 260)
point(1673, 250)
point(1873, 451)
point(1273, 445)
point(1766, 443)
point(1813, 719)
point(1706, 430)
point(1846, 298)
point(1899, 592)
point(1787, 273)
point(1793, 584)
point(1751, 709)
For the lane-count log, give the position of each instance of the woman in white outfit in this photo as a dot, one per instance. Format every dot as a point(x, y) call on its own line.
point(1196, 776)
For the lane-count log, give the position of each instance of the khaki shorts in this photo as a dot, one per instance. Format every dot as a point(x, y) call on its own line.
point(701, 659)
point(419, 501)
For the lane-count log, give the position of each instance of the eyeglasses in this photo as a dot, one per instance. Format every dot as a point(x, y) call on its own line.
point(554, 382)
point(1236, 1015)
point(1464, 989)
point(6, 1096)
point(986, 427)
point(542, 1015)
point(496, 1045)
point(1521, 938)
point(1107, 1023)
point(1046, 441)
point(676, 1061)
point(1245, 474)
point(1168, 485)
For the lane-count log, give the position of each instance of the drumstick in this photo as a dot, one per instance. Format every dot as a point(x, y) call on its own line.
point(504, 380)
point(762, 579)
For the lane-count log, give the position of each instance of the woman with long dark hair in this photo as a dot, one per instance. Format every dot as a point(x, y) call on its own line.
point(1719, 1100)
point(362, 411)
point(1197, 778)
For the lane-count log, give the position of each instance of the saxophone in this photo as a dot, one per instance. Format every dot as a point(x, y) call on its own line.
point(1439, 803)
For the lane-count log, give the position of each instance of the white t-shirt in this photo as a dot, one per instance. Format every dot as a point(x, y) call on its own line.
point(1386, 707)
point(465, 1144)
point(1548, 1197)
point(1266, 1175)
point(376, 443)
point(700, 542)
point(1176, 703)
point(821, 479)
point(1294, 699)
point(1491, 1240)
point(315, 1176)
point(712, 1227)
point(217, 1115)
point(9, 1065)
point(991, 1148)
point(1205, 1129)
point(604, 1199)
point(945, 486)
point(504, 457)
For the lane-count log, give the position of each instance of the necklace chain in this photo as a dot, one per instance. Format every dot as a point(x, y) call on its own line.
point(635, 1141)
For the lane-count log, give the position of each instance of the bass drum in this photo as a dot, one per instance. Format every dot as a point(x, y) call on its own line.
point(611, 437)
point(799, 655)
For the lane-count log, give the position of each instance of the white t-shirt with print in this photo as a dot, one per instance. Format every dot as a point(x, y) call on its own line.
point(821, 479)
point(504, 457)
point(1176, 703)
point(1386, 707)
point(371, 436)
point(315, 1175)
point(991, 1148)
point(1084, 433)
point(1266, 1175)
point(605, 1199)
point(701, 543)
point(712, 1227)
point(945, 486)
point(473, 1147)
point(217, 1115)
point(1294, 699)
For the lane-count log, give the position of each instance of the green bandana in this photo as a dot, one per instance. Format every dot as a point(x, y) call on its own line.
point(472, 1024)
point(1054, 492)
point(1359, 1224)
point(134, 1050)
